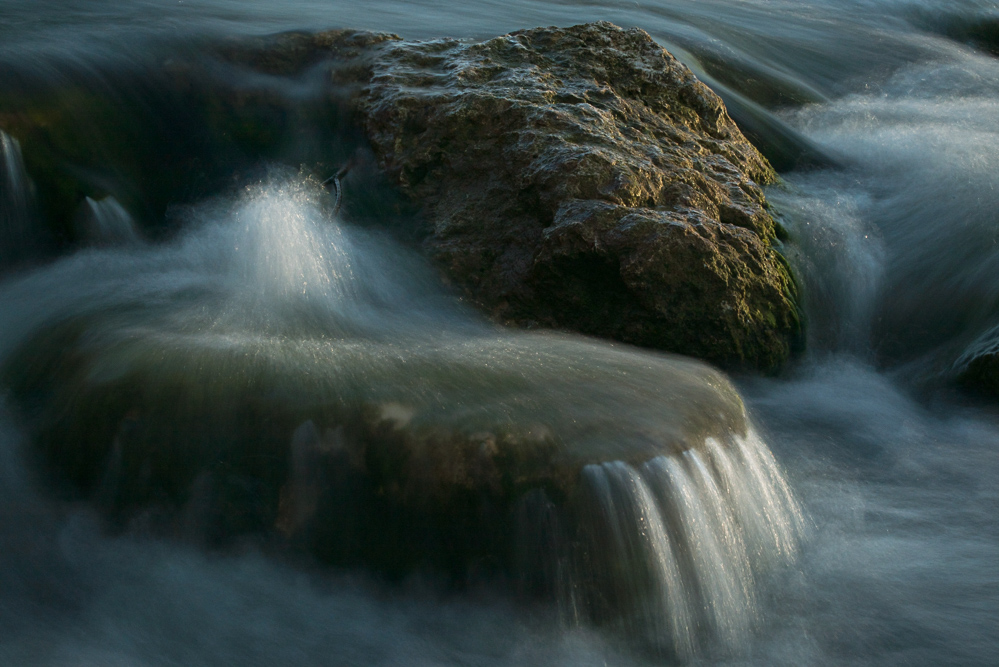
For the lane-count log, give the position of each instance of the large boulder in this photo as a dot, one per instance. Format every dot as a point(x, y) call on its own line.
point(582, 178)
point(438, 435)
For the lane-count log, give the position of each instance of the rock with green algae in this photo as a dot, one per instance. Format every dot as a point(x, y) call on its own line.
point(582, 178)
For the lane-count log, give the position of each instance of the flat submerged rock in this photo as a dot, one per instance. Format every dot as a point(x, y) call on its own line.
point(221, 348)
point(273, 376)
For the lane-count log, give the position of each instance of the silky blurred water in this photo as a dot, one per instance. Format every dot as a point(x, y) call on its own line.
point(896, 471)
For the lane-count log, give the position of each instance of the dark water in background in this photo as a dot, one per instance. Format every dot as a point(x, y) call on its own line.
point(897, 472)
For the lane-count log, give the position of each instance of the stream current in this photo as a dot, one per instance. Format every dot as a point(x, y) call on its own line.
point(878, 526)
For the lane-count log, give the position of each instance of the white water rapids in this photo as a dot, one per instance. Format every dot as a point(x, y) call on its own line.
point(853, 524)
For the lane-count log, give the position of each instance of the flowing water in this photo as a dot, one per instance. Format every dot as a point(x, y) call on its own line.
point(848, 517)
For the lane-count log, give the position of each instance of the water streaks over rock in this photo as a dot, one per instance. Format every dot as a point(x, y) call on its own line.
point(277, 377)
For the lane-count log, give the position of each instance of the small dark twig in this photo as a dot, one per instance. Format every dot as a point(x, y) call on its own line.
point(337, 187)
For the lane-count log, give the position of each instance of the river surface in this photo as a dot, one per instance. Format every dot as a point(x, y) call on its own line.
point(882, 116)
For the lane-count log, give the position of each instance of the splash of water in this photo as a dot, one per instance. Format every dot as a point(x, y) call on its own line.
point(924, 143)
point(105, 222)
point(16, 203)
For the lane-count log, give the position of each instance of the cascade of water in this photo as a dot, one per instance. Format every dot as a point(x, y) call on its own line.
point(105, 222)
point(16, 202)
point(687, 537)
point(642, 557)
point(717, 567)
point(271, 304)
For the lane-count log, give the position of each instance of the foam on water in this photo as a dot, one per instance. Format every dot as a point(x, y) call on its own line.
point(925, 146)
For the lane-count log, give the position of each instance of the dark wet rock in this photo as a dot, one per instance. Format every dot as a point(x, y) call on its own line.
point(982, 375)
point(768, 87)
point(978, 368)
point(582, 178)
point(96, 137)
point(105, 223)
point(19, 229)
point(981, 32)
point(784, 147)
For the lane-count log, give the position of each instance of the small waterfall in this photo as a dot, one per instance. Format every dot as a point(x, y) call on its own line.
point(642, 556)
point(105, 222)
point(17, 200)
point(311, 383)
point(680, 544)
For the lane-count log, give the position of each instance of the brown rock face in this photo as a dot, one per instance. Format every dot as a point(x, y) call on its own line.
point(582, 178)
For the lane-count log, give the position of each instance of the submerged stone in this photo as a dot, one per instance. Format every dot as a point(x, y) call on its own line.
point(480, 459)
point(476, 413)
point(105, 222)
point(19, 229)
point(273, 376)
point(981, 32)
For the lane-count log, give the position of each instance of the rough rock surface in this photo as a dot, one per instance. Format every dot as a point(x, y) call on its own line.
point(582, 178)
